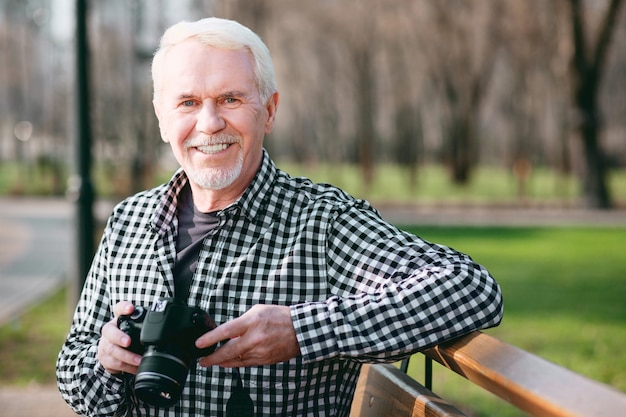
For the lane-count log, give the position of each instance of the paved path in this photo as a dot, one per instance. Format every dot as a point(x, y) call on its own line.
point(476, 215)
point(36, 249)
point(39, 401)
point(36, 246)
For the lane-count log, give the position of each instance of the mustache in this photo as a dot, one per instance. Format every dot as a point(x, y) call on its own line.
point(211, 140)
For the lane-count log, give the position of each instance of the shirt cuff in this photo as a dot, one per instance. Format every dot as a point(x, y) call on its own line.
point(314, 331)
point(113, 383)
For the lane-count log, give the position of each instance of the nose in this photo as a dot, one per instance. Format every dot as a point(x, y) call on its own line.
point(209, 119)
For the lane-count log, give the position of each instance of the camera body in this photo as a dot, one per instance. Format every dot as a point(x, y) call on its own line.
point(165, 335)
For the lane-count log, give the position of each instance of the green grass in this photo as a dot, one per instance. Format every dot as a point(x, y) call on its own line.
point(564, 300)
point(564, 294)
point(489, 184)
point(42, 178)
point(29, 346)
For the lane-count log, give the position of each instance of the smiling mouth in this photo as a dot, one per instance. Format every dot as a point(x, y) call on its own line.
point(212, 149)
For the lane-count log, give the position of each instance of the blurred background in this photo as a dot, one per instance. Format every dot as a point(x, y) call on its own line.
point(529, 94)
point(497, 127)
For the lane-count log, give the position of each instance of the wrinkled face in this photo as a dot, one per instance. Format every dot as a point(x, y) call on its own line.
point(211, 114)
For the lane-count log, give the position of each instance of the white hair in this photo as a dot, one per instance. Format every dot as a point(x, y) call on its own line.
point(222, 34)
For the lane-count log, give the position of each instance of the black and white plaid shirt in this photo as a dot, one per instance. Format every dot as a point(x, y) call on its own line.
point(360, 290)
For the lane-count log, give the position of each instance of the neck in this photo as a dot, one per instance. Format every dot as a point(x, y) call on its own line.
point(213, 200)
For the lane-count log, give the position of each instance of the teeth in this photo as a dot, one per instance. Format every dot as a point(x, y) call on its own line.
point(213, 148)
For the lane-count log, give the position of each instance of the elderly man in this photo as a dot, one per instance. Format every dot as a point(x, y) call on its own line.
point(303, 281)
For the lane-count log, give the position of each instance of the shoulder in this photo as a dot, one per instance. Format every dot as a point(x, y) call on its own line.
point(302, 193)
point(139, 204)
point(155, 207)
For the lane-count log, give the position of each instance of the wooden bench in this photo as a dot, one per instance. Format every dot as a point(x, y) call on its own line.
point(530, 383)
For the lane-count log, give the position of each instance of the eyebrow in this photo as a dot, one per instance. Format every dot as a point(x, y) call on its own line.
point(227, 94)
point(231, 94)
point(184, 96)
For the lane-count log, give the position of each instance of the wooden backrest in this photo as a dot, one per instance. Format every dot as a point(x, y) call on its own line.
point(385, 391)
point(530, 383)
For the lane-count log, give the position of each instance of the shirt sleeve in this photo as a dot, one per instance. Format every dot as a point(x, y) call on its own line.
point(394, 294)
point(84, 384)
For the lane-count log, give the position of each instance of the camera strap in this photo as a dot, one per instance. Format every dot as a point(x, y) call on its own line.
point(239, 404)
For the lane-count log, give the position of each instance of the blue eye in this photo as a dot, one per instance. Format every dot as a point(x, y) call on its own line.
point(188, 103)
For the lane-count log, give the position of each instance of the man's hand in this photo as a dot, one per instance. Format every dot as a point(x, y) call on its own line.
point(263, 335)
point(112, 353)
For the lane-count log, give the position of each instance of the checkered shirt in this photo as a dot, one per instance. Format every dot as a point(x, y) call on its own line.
point(359, 289)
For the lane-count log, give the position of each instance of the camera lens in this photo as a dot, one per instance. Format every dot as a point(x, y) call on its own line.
point(160, 378)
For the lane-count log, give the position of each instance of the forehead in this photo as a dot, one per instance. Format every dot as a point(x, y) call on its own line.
point(194, 66)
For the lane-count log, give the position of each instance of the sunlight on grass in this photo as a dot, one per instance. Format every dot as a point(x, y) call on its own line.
point(489, 184)
point(392, 183)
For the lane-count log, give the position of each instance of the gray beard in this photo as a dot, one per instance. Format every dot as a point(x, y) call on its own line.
point(217, 178)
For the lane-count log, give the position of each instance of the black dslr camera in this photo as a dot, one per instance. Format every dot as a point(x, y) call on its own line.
point(165, 336)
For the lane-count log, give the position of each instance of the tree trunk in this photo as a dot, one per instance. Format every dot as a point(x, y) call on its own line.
point(365, 116)
point(587, 69)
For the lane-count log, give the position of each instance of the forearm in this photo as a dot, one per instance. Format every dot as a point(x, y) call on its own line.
point(392, 294)
point(400, 318)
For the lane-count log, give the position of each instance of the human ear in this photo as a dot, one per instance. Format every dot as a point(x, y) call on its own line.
point(271, 107)
point(156, 104)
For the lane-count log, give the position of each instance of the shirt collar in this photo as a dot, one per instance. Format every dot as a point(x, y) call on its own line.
point(251, 202)
point(165, 212)
point(258, 193)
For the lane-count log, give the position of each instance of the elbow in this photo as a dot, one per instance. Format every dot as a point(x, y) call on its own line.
point(493, 304)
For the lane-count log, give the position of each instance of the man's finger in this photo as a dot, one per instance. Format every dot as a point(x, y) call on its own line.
point(225, 355)
point(123, 308)
point(112, 333)
point(226, 331)
point(115, 358)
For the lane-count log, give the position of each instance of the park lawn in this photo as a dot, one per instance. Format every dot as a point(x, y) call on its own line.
point(564, 292)
point(392, 183)
point(488, 185)
point(564, 300)
point(30, 344)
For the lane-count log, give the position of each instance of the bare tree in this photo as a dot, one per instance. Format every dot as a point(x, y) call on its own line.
point(463, 43)
point(402, 51)
point(29, 101)
point(394, 80)
point(529, 80)
point(587, 70)
point(358, 31)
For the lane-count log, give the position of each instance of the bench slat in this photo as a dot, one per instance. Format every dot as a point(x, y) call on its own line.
point(383, 390)
point(529, 382)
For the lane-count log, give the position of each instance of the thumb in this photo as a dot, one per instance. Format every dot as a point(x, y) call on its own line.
point(123, 308)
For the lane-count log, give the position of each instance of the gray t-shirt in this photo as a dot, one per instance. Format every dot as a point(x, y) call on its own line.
point(193, 226)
